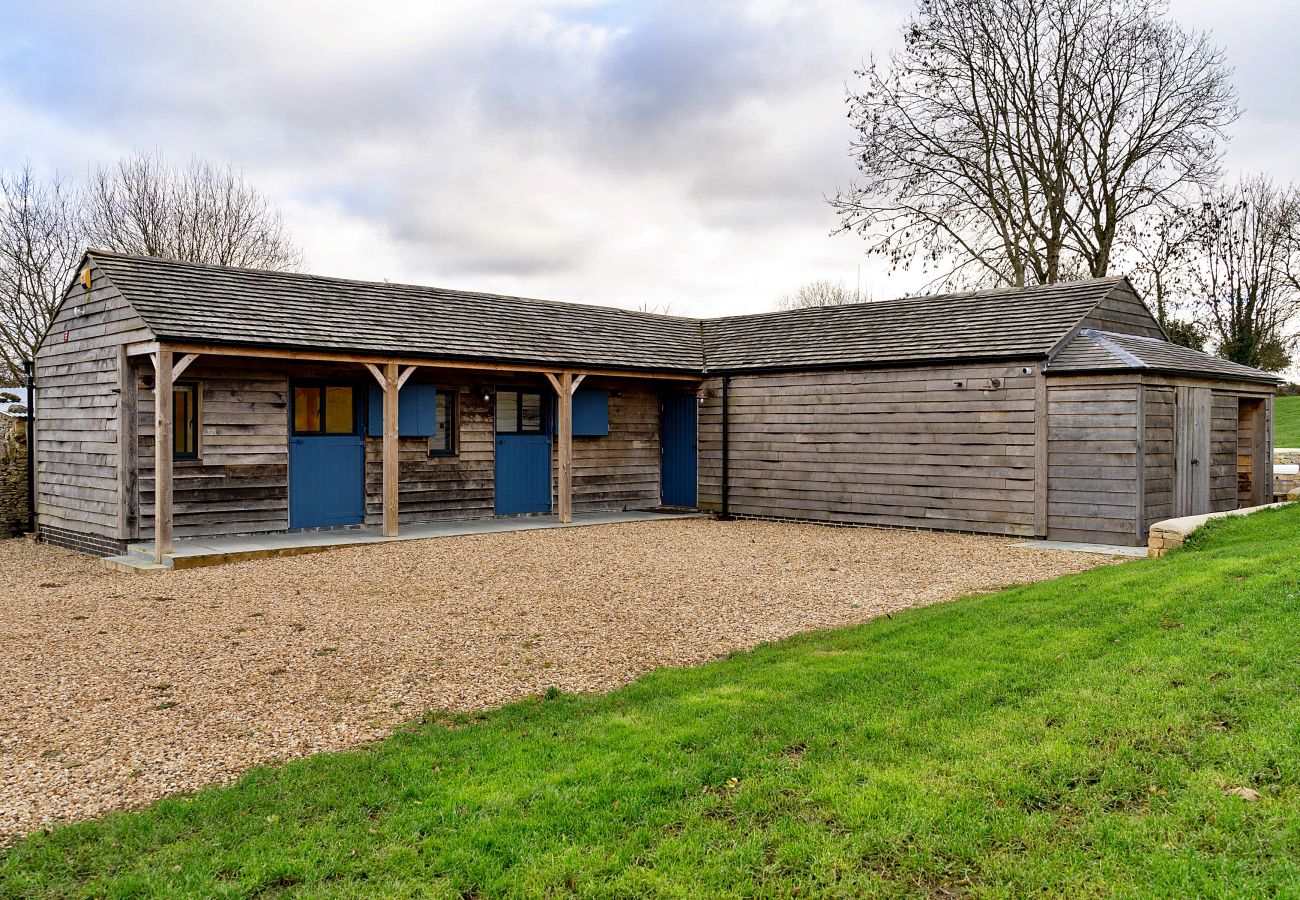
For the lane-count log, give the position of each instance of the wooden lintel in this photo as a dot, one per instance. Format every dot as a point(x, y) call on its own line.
point(379, 376)
point(144, 348)
point(406, 374)
point(182, 365)
point(379, 360)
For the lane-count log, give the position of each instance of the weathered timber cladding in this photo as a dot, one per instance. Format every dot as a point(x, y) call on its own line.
point(1092, 460)
point(1158, 459)
point(1123, 311)
point(1223, 452)
point(76, 410)
point(620, 470)
point(239, 483)
point(888, 447)
point(439, 487)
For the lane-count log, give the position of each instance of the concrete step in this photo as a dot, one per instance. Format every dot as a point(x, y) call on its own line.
point(134, 563)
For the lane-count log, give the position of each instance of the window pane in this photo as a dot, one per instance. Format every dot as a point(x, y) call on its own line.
point(338, 410)
point(531, 418)
point(507, 411)
point(440, 440)
point(184, 425)
point(306, 409)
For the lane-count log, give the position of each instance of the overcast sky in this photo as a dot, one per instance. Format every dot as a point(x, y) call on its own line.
point(626, 153)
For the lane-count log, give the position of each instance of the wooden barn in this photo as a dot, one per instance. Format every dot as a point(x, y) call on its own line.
point(293, 402)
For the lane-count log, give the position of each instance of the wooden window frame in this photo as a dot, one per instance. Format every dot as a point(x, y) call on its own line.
point(519, 411)
point(196, 389)
point(357, 426)
point(453, 425)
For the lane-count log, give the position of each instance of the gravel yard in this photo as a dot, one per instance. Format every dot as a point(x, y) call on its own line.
point(119, 689)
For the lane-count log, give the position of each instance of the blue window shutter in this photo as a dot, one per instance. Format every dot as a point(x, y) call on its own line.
point(425, 401)
point(417, 411)
point(375, 418)
point(590, 412)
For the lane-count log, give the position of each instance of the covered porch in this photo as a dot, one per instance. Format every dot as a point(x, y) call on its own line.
point(264, 440)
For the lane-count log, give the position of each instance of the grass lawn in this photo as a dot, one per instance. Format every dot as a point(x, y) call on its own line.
point(1286, 422)
point(1075, 737)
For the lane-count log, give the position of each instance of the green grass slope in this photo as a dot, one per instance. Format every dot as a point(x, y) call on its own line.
point(1075, 738)
point(1286, 422)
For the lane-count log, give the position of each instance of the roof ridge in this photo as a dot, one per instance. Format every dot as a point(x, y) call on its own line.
point(399, 285)
point(923, 298)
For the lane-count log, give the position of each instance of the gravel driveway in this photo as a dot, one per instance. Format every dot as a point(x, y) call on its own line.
point(119, 689)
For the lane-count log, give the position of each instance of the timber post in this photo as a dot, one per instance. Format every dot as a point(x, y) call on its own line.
point(163, 441)
point(564, 386)
point(390, 448)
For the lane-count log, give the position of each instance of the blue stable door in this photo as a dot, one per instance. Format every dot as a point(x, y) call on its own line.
point(327, 457)
point(678, 440)
point(523, 452)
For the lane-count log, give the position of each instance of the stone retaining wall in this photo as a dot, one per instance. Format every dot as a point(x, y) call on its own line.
point(1283, 485)
point(13, 476)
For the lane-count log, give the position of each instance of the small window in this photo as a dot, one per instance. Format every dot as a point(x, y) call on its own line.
point(443, 440)
point(338, 410)
point(185, 421)
point(306, 410)
point(324, 409)
point(519, 412)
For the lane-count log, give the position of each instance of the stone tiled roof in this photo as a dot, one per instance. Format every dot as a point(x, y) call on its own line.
point(1092, 351)
point(182, 301)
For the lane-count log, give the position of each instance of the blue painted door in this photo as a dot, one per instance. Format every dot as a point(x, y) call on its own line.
point(523, 474)
point(678, 447)
point(327, 457)
point(325, 481)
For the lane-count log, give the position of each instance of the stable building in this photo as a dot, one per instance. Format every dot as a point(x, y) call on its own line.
point(286, 402)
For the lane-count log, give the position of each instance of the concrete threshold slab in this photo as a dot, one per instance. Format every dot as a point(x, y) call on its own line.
point(1076, 547)
point(190, 553)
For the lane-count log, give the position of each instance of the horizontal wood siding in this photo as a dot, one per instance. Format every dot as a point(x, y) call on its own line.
point(1092, 461)
point(1223, 452)
point(76, 410)
point(889, 447)
point(620, 470)
point(240, 483)
point(435, 488)
point(1122, 311)
point(1158, 459)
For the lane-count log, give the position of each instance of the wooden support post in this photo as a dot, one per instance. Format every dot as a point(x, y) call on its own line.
point(564, 386)
point(127, 412)
point(391, 388)
point(162, 455)
point(565, 448)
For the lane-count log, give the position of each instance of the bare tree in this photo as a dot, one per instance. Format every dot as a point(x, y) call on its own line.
point(1160, 260)
point(1010, 141)
point(1248, 271)
point(40, 246)
point(201, 212)
point(822, 292)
